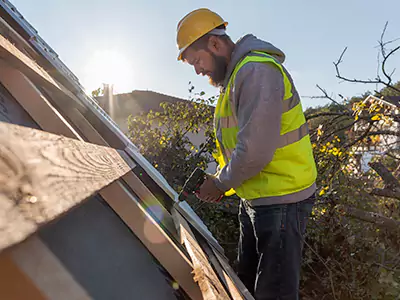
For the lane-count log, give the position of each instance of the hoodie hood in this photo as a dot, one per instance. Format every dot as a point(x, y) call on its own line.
point(247, 44)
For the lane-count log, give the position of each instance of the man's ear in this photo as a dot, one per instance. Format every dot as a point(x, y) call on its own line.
point(214, 44)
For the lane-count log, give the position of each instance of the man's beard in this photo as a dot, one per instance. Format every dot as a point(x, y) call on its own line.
point(217, 77)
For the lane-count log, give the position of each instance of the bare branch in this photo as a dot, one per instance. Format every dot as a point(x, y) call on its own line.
point(363, 136)
point(384, 132)
point(388, 193)
point(387, 176)
point(326, 96)
point(370, 217)
point(328, 113)
point(385, 57)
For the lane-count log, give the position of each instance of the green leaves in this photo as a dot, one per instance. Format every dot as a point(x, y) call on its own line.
point(166, 137)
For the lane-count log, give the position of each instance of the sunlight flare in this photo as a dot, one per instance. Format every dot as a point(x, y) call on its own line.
point(108, 66)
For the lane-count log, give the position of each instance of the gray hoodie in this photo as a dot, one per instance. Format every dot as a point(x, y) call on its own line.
point(256, 97)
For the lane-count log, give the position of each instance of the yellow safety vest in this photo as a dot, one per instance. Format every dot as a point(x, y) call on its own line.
point(292, 168)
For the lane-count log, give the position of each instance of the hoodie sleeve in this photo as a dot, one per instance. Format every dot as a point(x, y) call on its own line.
point(257, 99)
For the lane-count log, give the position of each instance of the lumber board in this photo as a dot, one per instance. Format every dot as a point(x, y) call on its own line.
point(14, 37)
point(152, 236)
point(222, 274)
point(37, 74)
point(209, 283)
point(14, 283)
point(34, 102)
point(43, 175)
point(151, 204)
point(11, 111)
point(46, 271)
point(232, 278)
point(56, 92)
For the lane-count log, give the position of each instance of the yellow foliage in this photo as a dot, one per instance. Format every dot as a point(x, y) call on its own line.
point(376, 117)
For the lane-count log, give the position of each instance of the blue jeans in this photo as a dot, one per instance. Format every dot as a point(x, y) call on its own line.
point(270, 248)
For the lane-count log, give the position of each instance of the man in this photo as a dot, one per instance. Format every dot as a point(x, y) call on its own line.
point(263, 150)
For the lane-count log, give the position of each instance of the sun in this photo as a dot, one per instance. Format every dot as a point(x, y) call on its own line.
point(108, 66)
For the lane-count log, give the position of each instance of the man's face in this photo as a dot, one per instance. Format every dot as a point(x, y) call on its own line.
point(207, 63)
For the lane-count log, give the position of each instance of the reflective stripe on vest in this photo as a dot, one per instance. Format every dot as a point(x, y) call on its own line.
point(294, 147)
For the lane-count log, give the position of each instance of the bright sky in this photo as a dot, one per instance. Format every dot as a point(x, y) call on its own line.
point(133, 42)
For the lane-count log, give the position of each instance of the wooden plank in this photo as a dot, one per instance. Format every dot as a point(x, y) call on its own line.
point(34, 102)
point(152, 236)
point(37, 169)
point(8, 32)
point(11, 111)
point(14, 56)
point(151, 203)
point(14, 283)
point(208, 280)
point(228, 284)
point(45, 270)
point(55, 91)
point(232, 278)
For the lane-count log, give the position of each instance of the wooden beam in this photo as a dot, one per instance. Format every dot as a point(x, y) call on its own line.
point(8, 32)
point(37, 169)
point(45, 270)
point(55, 91)
point(238, 289)
point(34, 102)
point(37, 74)
point(151, 204)
point(209, 283)
point(14, 283)
point(153, 237)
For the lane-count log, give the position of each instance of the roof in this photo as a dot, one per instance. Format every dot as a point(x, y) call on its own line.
point(388, 100)
point(142, 199)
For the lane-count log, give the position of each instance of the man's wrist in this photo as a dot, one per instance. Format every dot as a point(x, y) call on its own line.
point(222, 187)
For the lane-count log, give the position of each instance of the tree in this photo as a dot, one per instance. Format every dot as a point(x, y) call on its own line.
point(352, 249)
point(163, 138)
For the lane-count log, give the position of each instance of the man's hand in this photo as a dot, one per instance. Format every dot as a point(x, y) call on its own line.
point(208, 191)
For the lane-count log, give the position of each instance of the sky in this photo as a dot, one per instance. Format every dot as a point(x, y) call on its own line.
point(132, 44)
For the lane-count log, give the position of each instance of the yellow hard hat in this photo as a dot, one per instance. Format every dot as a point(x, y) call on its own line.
point(194, 25)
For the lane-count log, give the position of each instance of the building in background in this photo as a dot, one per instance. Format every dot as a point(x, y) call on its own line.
point(379, 143)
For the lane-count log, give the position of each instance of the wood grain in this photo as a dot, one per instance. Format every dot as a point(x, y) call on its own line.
point(209, 283)
point(43, 175)
point(236, 286)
